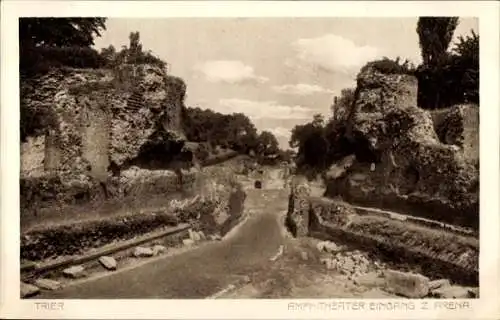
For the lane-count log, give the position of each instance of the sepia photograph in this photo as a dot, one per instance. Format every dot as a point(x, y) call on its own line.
point(250, 157)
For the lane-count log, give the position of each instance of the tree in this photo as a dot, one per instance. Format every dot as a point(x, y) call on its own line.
point(60, 32)
point(466, 61)
point(109, 55)
point(342, 104)
point(435, 35)
point(135, 47)
point(267, 144)
point(45, 43)
point(454, 77)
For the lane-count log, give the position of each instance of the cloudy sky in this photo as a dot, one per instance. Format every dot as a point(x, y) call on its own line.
point(278, 71)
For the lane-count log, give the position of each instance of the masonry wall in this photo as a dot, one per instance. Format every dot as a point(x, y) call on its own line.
point(95, 142)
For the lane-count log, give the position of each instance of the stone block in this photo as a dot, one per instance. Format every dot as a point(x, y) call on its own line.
point(453, 292)
point(74, 272)
point(435, 284)
point(28, 290)
point(108, 262)
point(159, 249)
point(47, 284)
point(371, 279)
point(407, 284)
point(141, 252)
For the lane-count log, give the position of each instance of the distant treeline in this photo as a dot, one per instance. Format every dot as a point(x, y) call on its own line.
point(47, 43)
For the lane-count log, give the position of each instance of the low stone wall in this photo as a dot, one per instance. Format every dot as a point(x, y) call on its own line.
point(202, 211)
point(48, 191)
point(45, 191)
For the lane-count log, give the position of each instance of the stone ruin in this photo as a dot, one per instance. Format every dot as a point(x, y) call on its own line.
point(408, 159)
point(104, 121)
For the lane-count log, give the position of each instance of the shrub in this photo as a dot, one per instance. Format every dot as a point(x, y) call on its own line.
point(389, 66)
point(42, 59)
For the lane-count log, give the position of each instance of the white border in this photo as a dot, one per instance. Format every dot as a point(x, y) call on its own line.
point(12, 307)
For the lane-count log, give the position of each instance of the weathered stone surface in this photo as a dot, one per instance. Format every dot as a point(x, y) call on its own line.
point(453, 292)
point(202, 235)
point(159, 249)
point(370, 279)
point(304, 256)
point(196, 236)
point(298, 208)
point(327, 246)
point(103, 117)
point(215, 237)
point(458, 126)
point(48, 284)
point(108, 262)
point(414, 171)
point(321, 246)
point(435, 284)
point(28, 290)
point(410, 285)
point(331, 247)
point(74, 272)
point(141, 252)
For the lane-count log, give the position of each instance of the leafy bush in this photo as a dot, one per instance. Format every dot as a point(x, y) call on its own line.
point(41, 59)
point(389, 66)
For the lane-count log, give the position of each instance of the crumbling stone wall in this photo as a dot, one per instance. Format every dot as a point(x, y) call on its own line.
point(459, 125)
point(96, 141)
point(410, 169)
point(102, 119)
point(298, 207)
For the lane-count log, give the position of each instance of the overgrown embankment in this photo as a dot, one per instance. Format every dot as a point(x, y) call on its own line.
point(216, 201)
point(430, 250)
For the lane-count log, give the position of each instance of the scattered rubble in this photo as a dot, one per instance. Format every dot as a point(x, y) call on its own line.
point(328, 246)
point(453, 292)
point(215, 237)
point(304, 256)
point(436, 284)
point(407, 284)
point(108, 262)
point(350, 263)
point(158, 249)
point(28, 290)
point(356, 266)
point(47, 284)
point(141, 252)
point(74, 272)
point(202, 235)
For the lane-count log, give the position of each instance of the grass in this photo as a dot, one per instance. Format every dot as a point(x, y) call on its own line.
point(48, 217)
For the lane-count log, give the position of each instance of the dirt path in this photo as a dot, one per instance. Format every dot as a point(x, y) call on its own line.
point(259, 251)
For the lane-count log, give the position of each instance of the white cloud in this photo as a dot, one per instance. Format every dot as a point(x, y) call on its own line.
point(300, 89)
point(263, 109)
point(333, 53)
point(229, 71)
